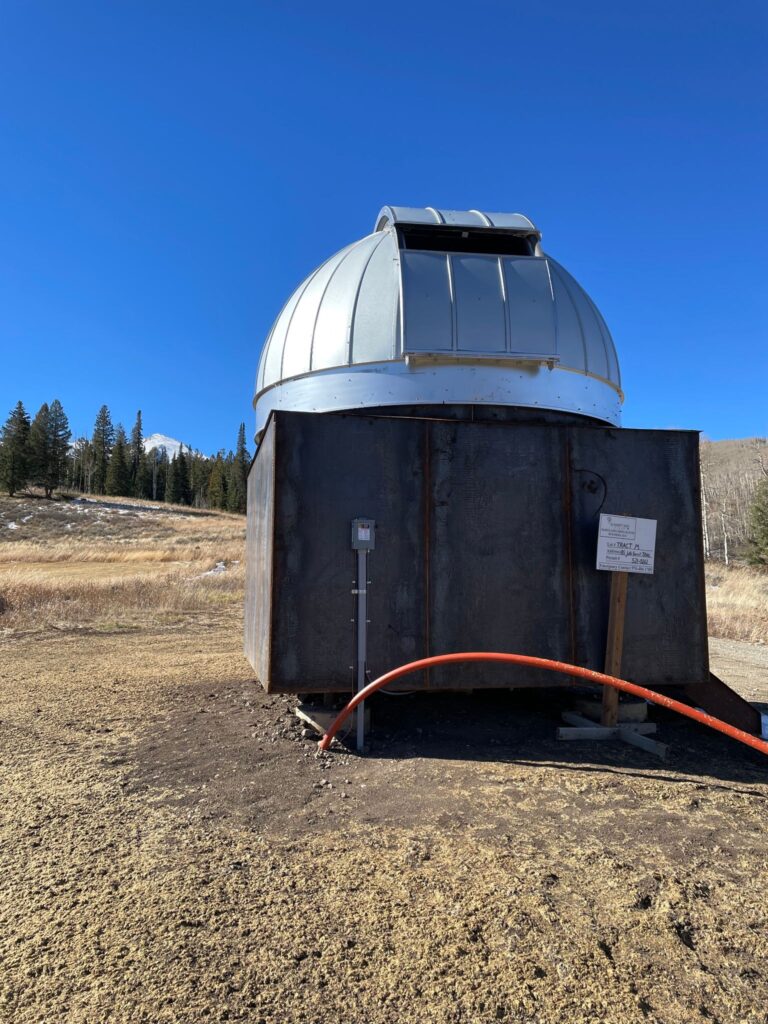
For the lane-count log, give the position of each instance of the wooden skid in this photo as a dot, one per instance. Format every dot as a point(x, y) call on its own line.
point(601, 732)
point(635, 733)
point(320, 719)
point(652, 746)
point(571, 718)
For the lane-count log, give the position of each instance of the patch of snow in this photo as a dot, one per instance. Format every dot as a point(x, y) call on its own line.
point(217, 570)
point(13, 526)
point(25, 519)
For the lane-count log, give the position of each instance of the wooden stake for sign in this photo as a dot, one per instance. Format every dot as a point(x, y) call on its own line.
point(614, 645)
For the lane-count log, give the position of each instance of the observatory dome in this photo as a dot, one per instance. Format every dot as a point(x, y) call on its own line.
point(440, 307)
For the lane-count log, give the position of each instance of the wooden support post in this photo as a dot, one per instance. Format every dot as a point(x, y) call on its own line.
point(614, 646)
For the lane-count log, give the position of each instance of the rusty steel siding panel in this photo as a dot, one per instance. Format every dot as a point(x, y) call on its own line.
point(258, 567)
point(486, 539)
point(652, 474)
point(498, 551)
point(329, 470)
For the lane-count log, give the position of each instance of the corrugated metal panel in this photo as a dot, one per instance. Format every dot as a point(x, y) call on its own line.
point(480, 314)
point(272, 359)
point(427, 306)
point(455, 218)
point(463, 218)
point(374, 328)
point(512, 222)
point(531, 307)
point(591, 328)
point(569, 335)
point(298, 342)
point(333, 325)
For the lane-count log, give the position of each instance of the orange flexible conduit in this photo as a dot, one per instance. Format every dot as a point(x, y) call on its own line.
point(551, 666)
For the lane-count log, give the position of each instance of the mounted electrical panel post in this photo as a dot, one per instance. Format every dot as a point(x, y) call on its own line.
point(363, 541)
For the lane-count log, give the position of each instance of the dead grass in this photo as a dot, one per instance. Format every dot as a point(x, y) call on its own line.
point(111, 564)
point(737, 603)
point(123, 551)
point(37, 600)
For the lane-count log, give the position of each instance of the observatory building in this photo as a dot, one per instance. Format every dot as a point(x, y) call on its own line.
point(447, 382)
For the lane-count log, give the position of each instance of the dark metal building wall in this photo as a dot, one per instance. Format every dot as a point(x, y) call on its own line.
point(329, 470)
point(653, 474)
point(259, 556)
point(486, 536)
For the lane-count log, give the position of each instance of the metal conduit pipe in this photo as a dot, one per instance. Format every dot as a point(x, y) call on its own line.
point(586, 674)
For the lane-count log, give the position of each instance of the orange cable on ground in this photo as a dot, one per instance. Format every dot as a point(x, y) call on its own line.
point(552, 666)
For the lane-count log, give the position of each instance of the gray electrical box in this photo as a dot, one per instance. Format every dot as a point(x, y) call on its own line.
point(363, 534)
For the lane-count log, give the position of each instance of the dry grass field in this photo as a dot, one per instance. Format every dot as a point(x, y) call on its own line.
point(737, 603)
point(110, 564)
point(172, 849)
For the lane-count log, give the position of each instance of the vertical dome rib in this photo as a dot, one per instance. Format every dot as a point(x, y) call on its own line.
point(298, 340)
point(380, 236)
point(323, 343)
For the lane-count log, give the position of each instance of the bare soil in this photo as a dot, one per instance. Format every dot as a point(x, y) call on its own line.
point(173, 850)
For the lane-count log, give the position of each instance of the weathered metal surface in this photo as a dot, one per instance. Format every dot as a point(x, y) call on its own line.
point(718, 699)
point(497, 548)
point(456, 218)
point(330, 470)
point(653, 474)
point(486, 536)
point(260, 557)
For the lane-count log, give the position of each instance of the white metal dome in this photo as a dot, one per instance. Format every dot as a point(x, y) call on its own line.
point(440, 307)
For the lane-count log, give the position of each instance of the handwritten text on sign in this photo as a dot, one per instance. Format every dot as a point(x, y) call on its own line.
point(626, 544)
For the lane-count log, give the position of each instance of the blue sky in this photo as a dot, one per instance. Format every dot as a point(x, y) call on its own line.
point(170, 170)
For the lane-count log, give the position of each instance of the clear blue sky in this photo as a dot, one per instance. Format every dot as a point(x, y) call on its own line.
point(170, 169)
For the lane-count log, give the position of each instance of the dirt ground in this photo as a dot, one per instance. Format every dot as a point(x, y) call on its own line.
point(174, 851)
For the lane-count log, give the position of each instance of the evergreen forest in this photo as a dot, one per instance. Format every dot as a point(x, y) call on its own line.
point(39, 453)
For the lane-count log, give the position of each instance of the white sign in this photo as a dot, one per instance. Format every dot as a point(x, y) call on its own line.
point(626, 544)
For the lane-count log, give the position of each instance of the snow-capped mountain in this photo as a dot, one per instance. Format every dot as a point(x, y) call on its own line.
point(170, 444)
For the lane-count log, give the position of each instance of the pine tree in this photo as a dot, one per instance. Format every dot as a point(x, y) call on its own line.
point(14, 451)
point(171, 491)
point(217, 485)
point(40, 448)
point(118, 480)
point(59, 436)
point(101, 443)
point(758, 525)
point(199, 475)
point(138, 461)
point(237, 485)
point(181, 479)
point(49, 446)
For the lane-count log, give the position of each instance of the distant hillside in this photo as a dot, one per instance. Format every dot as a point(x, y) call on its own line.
point(730, 471)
